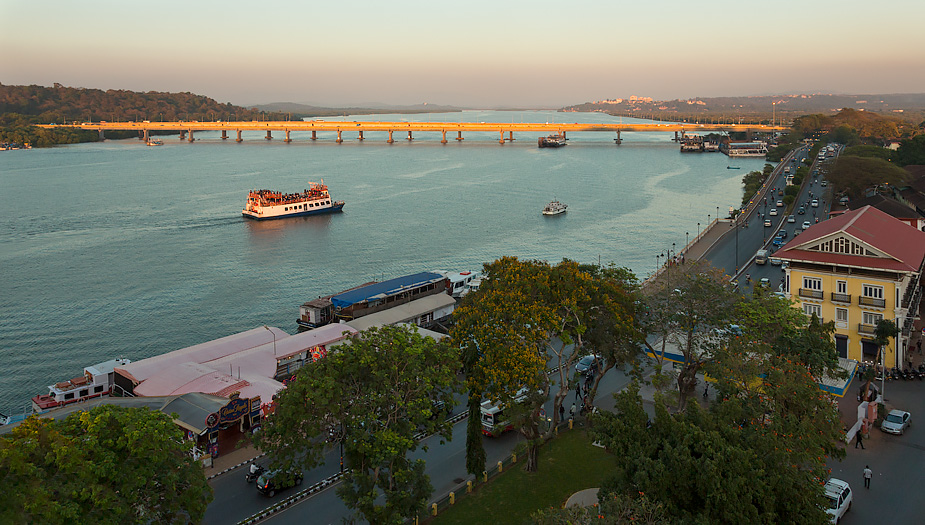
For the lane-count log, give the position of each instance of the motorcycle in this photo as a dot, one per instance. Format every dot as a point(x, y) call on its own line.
point(250, 477)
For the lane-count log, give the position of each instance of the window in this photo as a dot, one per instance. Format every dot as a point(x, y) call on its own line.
point(809, 309)
point(841, 287)
point(69, 395)
point(874, 292)
point(872, 318)
point(84, 393)
point(97, 389)
point(812, 283)
point(841, 315)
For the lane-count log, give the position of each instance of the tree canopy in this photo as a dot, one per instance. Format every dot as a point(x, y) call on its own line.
point(106, 465)
point(853, 176)
point(373, 395)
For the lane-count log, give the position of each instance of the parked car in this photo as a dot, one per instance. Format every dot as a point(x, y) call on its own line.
point(838, 493)
point(586, 363)
point(806, 224)
point(269, 483)
point(791, 219)
point(896, 422)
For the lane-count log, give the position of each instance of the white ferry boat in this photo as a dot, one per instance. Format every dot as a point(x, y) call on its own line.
point(269, 204)
point(460, 282)
point(551, 141)
point(555, 208)
point(746, 149)
point(97, 381)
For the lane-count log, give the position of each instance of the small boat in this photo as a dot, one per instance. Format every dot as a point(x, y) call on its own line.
point(97, 381)
point(732, 167)
point(555, 208)
point(552, 141)
point(269, 204)
point(154, 142)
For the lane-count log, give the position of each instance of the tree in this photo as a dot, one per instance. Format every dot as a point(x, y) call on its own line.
point(911, 151)
point(105, 465)
point(375, 394)
point(693, 303)
point(885, 330)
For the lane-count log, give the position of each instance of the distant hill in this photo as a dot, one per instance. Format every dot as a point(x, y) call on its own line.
point(910, 106)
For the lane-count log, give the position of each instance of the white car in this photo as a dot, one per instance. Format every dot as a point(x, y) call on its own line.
point(773, 212)
point(838, 493)
point(896, 422)
point(814, 203)
point(780, 204)
point(806, 225)
point(791, 219)
point(767, 223)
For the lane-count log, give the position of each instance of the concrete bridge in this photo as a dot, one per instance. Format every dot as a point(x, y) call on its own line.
point(340, 127)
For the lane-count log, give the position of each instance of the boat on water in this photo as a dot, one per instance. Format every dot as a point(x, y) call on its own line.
point(460, 283)
point(96, 381)
point(270, 204)
point(555, 208)
point(154, 142)
point(552, 141)
point(732, 167)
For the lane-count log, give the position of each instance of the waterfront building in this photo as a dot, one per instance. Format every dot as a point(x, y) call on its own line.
point(856, 269)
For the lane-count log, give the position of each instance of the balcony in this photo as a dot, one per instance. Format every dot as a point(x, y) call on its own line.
point(841, 298)
point(870, 301)
point(866, 328)
point(813, 294)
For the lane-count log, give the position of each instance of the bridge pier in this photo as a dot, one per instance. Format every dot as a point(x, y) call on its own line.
point(339, 139)
point(390, 137)
point(444, 137)
point(224, 134)
point(239, 139)
point(314, 135)
point(103, 136)
point(361, 136)
point(144, 136)
point(410, 138)
point(510, 136)
point(676, 139)
point(618, 140)
point(191, 139)
point(459, 136)
point(269, 135)
point(182, 134)
point(501, 141)
point(287, 139)
point(748, 135)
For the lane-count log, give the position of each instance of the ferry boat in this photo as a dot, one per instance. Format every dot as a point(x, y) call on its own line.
point(555, 208)
point(154, 142)
point(97, 381)
point(552, 141)
point(269, 204)
point(460, 283)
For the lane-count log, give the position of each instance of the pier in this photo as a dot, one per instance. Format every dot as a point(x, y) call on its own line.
point(504, 130)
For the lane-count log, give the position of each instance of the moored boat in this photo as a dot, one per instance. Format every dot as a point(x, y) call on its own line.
point(555, 208)
point(97, 381)
point(552, 141)
point(269, 204)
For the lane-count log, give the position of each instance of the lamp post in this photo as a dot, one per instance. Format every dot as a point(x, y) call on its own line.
point(717, 213)
point(274, 337)
point(698, 231)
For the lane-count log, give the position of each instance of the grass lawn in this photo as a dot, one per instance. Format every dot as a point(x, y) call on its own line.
point(567, 464)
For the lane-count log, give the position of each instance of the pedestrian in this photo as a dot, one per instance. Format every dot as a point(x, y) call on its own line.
point(706, 390)
point(571, 412)
point(577, 390)
point(918, 345)
point(561, 412)
point(867, 475)
point(860, 441)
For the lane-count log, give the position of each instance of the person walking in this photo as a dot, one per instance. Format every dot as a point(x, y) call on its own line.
point(578, 390)
point(867, 475)
point(860, 441)
point(561, 412)
point(571, 412)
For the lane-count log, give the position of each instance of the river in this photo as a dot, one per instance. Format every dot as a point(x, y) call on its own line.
point(117, 249)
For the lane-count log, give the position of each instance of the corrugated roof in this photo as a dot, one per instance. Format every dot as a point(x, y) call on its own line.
point(384, 289)
point(903, 244)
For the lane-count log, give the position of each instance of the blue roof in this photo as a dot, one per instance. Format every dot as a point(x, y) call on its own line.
point(385, 288)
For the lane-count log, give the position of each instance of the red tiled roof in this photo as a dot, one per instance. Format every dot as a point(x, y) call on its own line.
point(882, 232)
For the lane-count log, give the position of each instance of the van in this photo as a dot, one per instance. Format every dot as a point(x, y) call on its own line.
point(494, 421)
point(761, 257)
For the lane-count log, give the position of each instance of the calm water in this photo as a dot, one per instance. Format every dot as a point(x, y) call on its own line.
point(117, 249)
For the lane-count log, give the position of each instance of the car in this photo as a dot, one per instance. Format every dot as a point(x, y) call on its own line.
point(777, 242)
point(797, 231)
point(896, 422)
point(269, 483)
point(764, 282)
point(791, 219)
point(782, 234)
point(589, 362)
point(806, 225)
point(802, 210)
point(767, 223)
point(815, 203)
point(823, 184)
point(775, 261)
point(780, 204)
point(839, 495)
point(773, 212)
point(780, 192)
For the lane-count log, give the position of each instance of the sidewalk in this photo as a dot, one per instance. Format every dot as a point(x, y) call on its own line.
point(232, 460)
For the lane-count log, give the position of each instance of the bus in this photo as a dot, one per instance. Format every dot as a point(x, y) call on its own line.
point(494, 421)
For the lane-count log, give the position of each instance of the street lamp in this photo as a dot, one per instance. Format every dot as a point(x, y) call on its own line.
point(698, 231)
point(274, 337)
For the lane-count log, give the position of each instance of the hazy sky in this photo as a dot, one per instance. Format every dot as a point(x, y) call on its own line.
point(477, 53)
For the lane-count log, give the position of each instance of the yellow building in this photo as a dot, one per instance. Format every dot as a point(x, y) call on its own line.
point(856, 269)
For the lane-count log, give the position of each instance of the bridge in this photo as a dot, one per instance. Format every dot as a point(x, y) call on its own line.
point(340, 127)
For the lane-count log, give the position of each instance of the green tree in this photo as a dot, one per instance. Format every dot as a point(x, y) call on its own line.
point(855, 175)
point(105, 465)
point(375, 393)
point(911, 151)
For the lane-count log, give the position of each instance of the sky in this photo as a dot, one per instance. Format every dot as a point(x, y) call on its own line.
point(479, 54)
